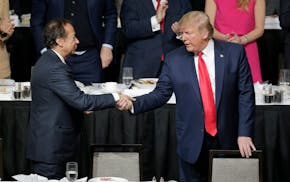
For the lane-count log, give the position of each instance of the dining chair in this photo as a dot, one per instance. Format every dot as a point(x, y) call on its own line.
point(1, 158)
point(123, 161)
point(229, 166)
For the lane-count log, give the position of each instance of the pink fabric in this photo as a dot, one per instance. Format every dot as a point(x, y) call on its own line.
point(231, 19)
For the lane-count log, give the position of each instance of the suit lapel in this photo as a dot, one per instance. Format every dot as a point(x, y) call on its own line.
point(196, 89)
point(219, 71)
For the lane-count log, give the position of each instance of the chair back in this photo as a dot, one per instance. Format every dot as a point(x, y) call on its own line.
point(1, 158)
point(117, 161)
point(229, 166)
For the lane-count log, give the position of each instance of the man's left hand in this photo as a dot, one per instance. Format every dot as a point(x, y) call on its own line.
point(106, 56)
point(246, 146)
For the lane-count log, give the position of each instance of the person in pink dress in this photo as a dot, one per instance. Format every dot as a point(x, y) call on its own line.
point(242, 22)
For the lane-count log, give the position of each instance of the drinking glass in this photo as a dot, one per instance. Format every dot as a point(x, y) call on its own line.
point(284, 77)
point(127, 75)
point(71, 171)
point(17, 91)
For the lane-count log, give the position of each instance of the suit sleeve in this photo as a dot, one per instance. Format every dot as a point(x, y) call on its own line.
point(110, 20)
point(61, 83)
point(37, 22)
point(246, 97)
point(285, 14)
point(133, 25)
point(159, 96)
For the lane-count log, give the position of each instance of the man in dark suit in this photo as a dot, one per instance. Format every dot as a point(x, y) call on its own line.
point(149, 34)
point(55, 116)
point(95, 22)
point(285, 24)
point(215, 99)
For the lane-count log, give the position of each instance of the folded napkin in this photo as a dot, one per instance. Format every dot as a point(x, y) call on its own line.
point(38, 178)
point(30, 178)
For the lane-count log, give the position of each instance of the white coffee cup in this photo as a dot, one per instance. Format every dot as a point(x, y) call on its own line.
point(109, 86)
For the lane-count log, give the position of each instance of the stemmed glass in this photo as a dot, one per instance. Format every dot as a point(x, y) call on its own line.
point(71, 171)
point(127, 76)
point(284, 77)
point(284, 81)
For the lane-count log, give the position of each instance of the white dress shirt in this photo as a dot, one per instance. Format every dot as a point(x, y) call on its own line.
point(154, 23)
point(208, 57)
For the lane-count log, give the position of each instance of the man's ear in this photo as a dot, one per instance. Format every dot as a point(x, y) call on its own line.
point(59, 42)
point(205, 34)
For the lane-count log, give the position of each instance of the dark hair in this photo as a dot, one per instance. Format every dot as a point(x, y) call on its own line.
point(53, 30)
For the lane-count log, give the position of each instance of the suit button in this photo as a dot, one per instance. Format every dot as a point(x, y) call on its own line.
point(202, 130)
point(73, 2)
point(72, 14)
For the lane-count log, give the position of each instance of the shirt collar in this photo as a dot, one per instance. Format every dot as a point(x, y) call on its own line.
point(209, 48)
point(58, 55)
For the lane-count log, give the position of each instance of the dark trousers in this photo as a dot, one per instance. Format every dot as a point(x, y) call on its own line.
point(198, 172)
point(51, 171)
point(270, 46)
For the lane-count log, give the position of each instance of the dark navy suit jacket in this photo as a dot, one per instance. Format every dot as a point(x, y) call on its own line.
point(46, 10)
point(87, 67)
point(235, 100)
point(144, 47)
point(55, 111)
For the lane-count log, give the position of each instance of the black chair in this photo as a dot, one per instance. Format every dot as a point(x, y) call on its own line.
point(1, 158)
point(229, 166)
point(123, 161)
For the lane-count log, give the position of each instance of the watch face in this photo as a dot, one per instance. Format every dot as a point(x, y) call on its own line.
point(3, 34)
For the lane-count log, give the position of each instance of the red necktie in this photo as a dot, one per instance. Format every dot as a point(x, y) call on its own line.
point(207, 97)
point(162, 22)
point(161, 25)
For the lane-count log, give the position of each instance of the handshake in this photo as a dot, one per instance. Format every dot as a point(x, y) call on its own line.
point(125, 102)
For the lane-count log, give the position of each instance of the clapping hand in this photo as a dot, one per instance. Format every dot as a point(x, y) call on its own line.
point(175, 27)
point(125, 102)
point(161, 11)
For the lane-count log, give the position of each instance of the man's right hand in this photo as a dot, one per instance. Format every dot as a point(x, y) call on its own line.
point(125, 102)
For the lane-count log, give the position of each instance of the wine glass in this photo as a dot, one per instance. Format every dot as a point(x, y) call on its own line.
point(284, 77)
point(127, 76)
point(71, 171)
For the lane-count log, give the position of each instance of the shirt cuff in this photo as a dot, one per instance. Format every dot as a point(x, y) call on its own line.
point(154, 24)
point(132, 109)
point(116, 96)
point(43, 50)
point(107, 45)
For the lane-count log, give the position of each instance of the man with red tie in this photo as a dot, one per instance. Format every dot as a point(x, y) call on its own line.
point(215, 99)
point(147, 28)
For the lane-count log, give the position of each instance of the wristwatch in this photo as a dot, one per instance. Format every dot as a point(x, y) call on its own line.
point(2, 34)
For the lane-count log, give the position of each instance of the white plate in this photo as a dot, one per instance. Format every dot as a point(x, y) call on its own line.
point(145, 82)
point(7, 82)
point(119, 88)
point(108, 179)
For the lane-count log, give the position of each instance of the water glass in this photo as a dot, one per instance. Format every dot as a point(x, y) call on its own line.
point(17, 91)
point(71, 171)
point(127, 75)
point(284, 77)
